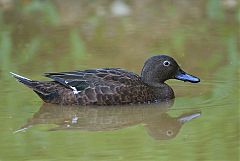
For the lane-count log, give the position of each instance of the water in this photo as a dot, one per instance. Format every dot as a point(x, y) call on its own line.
point(202, 123)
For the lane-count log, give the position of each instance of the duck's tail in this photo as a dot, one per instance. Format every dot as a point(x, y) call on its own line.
point(24, 80)
point(33, 84)
point(41, 88)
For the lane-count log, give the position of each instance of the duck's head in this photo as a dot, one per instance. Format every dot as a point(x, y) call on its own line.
point(157, 69)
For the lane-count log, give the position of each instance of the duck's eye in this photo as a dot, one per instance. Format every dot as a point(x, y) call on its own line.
point(169, 133)
point(166, 63)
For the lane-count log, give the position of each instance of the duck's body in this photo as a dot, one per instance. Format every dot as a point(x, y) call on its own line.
point(105, 86)
point(110, 86)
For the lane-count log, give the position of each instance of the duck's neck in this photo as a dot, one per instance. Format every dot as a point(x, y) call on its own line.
point(163, 92)
point(149, 77)
point(160, 89)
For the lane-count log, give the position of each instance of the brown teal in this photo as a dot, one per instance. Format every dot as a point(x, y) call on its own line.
point(111, 86)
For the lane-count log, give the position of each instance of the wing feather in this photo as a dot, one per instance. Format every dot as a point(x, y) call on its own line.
point(105, 78)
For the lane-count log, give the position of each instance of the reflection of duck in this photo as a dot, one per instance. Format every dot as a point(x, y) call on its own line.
point(154, 117)
point(167, 127)
point(111, 86)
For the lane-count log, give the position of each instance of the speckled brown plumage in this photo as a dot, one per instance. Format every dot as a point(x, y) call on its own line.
point(108, 86)
point(96, 87)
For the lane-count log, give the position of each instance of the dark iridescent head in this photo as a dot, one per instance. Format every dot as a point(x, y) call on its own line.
point(157, 69)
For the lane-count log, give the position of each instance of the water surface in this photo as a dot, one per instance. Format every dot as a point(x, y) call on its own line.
point(202, 123)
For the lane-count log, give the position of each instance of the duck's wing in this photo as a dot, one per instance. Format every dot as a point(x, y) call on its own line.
point(102, 77)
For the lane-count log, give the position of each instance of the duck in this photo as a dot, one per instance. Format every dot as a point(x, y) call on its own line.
point(110, 86)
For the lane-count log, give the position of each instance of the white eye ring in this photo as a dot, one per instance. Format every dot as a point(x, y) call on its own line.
point(169, 133)
point(166, 63)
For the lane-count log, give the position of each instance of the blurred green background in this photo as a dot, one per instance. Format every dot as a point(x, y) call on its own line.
point(38, 36)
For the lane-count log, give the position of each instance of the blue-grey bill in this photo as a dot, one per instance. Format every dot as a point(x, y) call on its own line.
point(186, 77)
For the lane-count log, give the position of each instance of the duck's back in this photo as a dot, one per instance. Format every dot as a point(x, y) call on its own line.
point(104, 86)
